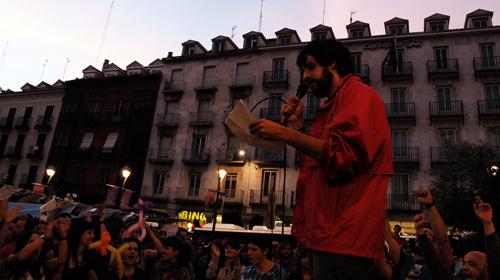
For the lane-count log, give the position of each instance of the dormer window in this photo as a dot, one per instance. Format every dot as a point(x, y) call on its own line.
point(219, 46)
point(285, 40)
point(437, 26)
point(480, 22)
point(396, 29)
point(357, 33)
point(188, 50)
point(251, 43)
point(320, 36)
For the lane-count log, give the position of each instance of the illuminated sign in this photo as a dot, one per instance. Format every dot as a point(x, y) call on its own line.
point(193, 216)
point(387, 44)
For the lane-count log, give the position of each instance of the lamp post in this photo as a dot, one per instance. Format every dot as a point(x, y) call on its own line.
point(50, 172)
point(221, 174)
point(125, 174)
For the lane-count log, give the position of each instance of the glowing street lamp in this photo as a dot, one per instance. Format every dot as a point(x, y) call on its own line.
point(50, 172)
point(222, 173)
point(125, 174)
point(241, 153)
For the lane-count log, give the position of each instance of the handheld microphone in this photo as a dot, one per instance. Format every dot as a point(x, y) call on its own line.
point(301, 92)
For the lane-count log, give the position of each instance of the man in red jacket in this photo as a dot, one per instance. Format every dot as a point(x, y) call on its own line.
point(341, 190)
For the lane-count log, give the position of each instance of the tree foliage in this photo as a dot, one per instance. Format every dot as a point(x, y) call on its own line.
point(463, 176)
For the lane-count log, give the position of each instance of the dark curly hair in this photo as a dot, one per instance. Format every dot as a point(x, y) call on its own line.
point(326, 52)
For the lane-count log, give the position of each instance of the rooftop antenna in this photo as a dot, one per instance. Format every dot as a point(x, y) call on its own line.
point(104, 33)
point(352, 13)
point(43, 69)
point(232, 31)
point(3, 54)
point(324, 3)
point(260, 18)
point(65, 67)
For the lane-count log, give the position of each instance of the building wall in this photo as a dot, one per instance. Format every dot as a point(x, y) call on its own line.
point(39, 99)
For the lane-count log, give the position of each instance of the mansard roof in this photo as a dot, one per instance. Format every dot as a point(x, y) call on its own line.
point(480, 12)
point(320, 27)
point(396, 20)
point(437, 16)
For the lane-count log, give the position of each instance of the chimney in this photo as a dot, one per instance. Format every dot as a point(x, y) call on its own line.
point(105, 64)
point(170, 55)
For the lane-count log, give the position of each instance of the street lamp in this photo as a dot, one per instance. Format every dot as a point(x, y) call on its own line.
point(241, 153)
point(50, 172)
point(221, 173)
point(125, 174)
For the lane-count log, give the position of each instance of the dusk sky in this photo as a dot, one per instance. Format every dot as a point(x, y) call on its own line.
point(38, 32)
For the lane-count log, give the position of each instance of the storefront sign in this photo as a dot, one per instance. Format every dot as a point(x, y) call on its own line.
point(387, 44)
point(193, 216)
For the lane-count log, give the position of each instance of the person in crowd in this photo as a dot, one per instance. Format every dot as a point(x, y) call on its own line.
point(397, 234)
point(286, 258)
point(261, 267)
point(173, 262)
point(81, 263)
point(224, 264)
point(346, 167)
point(12, 232)
point(131, 259)
point(200, 262)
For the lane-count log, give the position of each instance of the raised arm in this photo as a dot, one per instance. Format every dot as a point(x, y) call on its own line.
point(394, 247)
point(484, 213)
point(439, 230)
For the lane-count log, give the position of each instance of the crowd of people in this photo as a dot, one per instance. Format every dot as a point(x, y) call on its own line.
point(59, 248)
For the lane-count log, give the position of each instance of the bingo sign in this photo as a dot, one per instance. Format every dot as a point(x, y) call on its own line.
point(193, 216)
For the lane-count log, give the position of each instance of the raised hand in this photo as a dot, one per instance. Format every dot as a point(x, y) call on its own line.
point(483, 210)
point(424, 196)
point(419, 220)
point(294, 110)
point(215, 250)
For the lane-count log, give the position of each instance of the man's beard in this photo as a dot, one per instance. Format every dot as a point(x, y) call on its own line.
point(321, 88)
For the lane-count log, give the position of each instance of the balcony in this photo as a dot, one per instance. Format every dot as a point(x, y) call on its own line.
point(405, 202)
point(196, 157)
point(206, 86)
point(6, 123)
point(227, 156)
point(201, 118)
point(310, 113)
point(165, 156)
point(92, 118)
point(439, 155)
point(185, 194)
point(22, 123)
point(115, 118)
point(277, 78)
point(35, 152)
point(442, 69)
point(173, 90)
point(363, 71)
point(234, 196)
point(273, 114)
point(267, 158)
point(488, 109)
point(451, 110)
point(402, 72)
point(43, 122)
point(406, 157)
point(13, 152)
point(485, 67)
point(167, 120)
point(242, 81)
point(400, 112)
point(259, 197)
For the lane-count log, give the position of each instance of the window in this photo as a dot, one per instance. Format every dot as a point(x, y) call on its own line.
point(3, 143)
point(176, 79)
point(230, 185)
point(61, 138)
point(441, 58)
point(204, 105)
point(118, 109)
point(47, 116)
point(11, 174)
point(218, 46)
point(446, 136)
point(19, 144)
point(32, 174)
point(400, 143)
point(80, 175)
point(444, 99)
point(251, 43)
point(278, 69)
point(103, 176)
point(87, 140)
point(27, 115)
point(357, 33)
point(396, 29)
point(400, 186)
point(285, 40)
point(274, 110)
point(10, 116)
point(398, 100)
point(198, 146)
point(159, 179)
point(493, 134)
point(188, 50)
point(208, 76)
point(487, 55)
point(242, 73)
point(194, 184)
point(356, 62)
point(492, 94)
point(480, 22)
point(319, 36)
point(437, 26)
point(95, 107)
point(400, 58)
point(40, 142)
point(233, 147)
point(110, 142)
point(268, 181)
